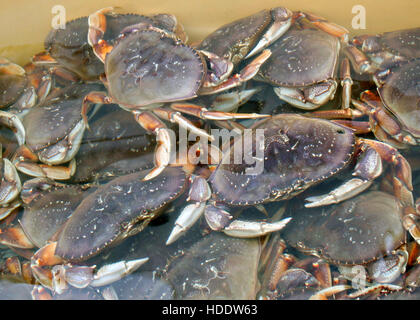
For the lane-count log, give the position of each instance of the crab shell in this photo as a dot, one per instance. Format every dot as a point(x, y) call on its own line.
point(397, 45)
point(114, 145)
point(401, 95)
point(301, 58)
point(298, 152)
point(357, 231)
point(149, 66)
point(47, 207)
point(69, 46)
point(235, 40)
point(54, 129)
point(116, 210)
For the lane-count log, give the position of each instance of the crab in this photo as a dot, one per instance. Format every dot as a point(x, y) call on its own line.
point(10, 181)
point(21, 89)
point(69, 47)
point(93, 226)
point(201, 266)
point(363, 240)
point(293, 154)
point(48, 207)
point(284, 276)
point(393, 60)
point(54, 131)
point(363, 231)
point(148, 67)
point(238, 40)
point(114, 145)
point(304, 63)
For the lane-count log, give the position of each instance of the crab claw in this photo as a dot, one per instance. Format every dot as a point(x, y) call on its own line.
point(368, 168)
point(12, 121)
point(252, 229)
point(163, 152)
point(83, 276)
point(10, 184)
point(282, 21)
point(113, 272)
point(189, 215)
point(245, 74)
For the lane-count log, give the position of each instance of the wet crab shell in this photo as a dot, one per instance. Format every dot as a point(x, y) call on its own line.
point(234, 40)
point(44, 215)
point(404, 43)
point(70, 47)
point(116, 210)
point(150, 67)
point(401, 95)
point(114, 145)
point(11, 88)
point(357, 231)
point(301, 58)
point(298, 152)
point(54, 120)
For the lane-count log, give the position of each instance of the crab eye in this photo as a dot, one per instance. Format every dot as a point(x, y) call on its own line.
point(340, 131)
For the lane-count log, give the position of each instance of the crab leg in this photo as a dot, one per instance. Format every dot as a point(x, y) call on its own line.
point(401, 169)
point(149, 122)
point(176, 117)
point(8, 67)
point(164, 137)
point(6, 211)
point(252, 229)
point(359, 127)
point(346, 83)
point(325, 293)
point(381, 122)
point(282, 18)
point(358, 60)
point(15, 237)
point(43, 58)
point(203, 113)
point(22, 270)
point(321, 23)
point(12, 121)
point(246, 74)
point(97, 27)
point(376, 289)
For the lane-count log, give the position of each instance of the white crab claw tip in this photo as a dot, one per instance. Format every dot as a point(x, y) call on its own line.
point(317, 201)
point(177, 231)
point(134, 264)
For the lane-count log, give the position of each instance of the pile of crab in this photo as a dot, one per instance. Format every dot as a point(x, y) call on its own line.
point(102, 196)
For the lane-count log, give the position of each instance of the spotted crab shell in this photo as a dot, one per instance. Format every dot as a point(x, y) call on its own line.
point(297, 153)
point(150, 67)
point(118, 209)
point(301, 58)
point(401, 95)
point(357, 231)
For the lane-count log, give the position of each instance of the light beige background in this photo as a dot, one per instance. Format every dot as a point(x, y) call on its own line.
point(25, 23)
